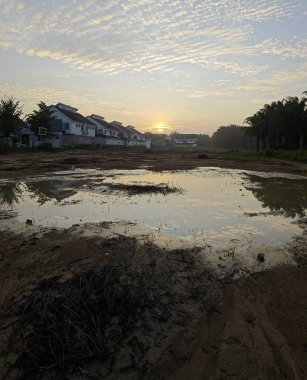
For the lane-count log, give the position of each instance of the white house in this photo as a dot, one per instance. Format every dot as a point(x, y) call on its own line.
point(187, 139)
point(106, 130)
point(122, 131)
point(129, 134)
point(69, 121)
point(135, 137)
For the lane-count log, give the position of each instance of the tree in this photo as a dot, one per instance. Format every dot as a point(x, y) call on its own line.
point(204, 140)
point(10, 112)
point(281, 124)
point(41, 118)
point(232, 136)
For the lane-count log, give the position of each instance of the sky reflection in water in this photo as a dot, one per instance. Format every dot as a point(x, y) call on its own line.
point(217, 205)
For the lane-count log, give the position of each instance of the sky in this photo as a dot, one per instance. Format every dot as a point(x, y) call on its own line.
point(161, 65)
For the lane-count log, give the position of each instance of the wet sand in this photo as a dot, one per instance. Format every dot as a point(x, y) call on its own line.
point(190, 323)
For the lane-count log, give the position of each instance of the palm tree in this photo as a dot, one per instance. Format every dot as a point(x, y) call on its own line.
point(282, 123)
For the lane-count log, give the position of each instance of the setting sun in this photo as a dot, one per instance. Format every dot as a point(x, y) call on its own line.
point(160, 127)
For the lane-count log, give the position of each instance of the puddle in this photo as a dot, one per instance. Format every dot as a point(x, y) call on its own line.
point(212, 208)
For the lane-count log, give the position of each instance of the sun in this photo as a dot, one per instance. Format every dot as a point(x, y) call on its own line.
point(160, 128)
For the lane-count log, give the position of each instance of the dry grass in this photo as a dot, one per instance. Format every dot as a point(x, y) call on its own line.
point(134, 189)
point(66, 324)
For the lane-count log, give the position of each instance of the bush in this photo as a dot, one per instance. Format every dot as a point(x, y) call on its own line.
point(46, 147)
point(5, 146)
point(269, 153)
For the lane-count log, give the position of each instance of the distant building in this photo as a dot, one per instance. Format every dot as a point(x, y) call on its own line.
point(157, 139)
point(188, 139)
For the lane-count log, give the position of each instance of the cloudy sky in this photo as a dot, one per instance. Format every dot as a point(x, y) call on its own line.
point(190, 65)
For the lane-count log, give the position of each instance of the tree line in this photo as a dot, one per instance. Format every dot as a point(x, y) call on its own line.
point(281, 124)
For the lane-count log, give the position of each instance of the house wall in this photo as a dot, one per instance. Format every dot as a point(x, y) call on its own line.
point(73, 140)
point(59, 115)
point(136, 143)
point(84, 129)
point(112, 141)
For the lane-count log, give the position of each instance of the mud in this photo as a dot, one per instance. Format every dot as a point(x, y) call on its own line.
point(183, 319)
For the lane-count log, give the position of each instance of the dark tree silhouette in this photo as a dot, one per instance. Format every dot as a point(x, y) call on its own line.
point(204, 140)
point(10, 112)
point(281, 124)
point(41, 118)
point(232, 136)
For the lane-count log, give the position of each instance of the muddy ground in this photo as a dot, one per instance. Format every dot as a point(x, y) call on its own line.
point(29, 163)
point(77, 306)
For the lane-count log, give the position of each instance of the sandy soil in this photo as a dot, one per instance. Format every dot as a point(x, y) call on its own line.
point(180, 320)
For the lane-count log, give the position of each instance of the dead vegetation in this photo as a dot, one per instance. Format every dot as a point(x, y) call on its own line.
point(107, 320)
point(66, 324)
point(135, 188)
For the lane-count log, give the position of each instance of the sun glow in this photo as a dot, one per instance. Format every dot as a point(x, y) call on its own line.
point(160, 128)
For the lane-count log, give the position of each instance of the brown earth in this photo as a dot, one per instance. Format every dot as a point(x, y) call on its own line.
point(180, 320)
point(29, 163)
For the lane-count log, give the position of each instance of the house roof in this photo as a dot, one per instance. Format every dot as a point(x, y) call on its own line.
point(185, 136)
point(102, 122)
point(133, 130)
point(75, 116)
point(120, 128)
point(155, 135)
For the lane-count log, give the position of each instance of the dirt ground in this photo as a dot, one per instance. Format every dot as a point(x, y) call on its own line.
point(29, 163)
point(158, 314)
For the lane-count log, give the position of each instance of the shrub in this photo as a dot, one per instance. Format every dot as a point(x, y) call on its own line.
point(269, 153)
point(46, 147)
point(5, 146)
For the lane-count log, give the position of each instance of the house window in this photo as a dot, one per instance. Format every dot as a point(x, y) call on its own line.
point(66, 126)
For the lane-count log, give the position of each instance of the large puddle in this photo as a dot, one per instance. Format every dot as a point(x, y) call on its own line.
point(204, 207)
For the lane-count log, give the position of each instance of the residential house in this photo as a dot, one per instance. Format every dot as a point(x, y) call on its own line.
point(106, 130)
point(135, 138)
point(122, 131)
point(131, 136)
point(188, 139)
point(157, 139)
point(70, 122)
point(26, 138)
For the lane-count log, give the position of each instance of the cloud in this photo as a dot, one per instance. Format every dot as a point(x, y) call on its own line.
point(29, 96)
point(149, 35)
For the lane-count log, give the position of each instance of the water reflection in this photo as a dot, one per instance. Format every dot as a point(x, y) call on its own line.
point(10, 193)
point(48, 190)
point(215, 205)
point(282, 195)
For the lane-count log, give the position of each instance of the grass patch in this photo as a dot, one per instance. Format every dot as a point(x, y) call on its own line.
point(293, 155)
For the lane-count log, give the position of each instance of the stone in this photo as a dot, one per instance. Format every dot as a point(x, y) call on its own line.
point(260, 257)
